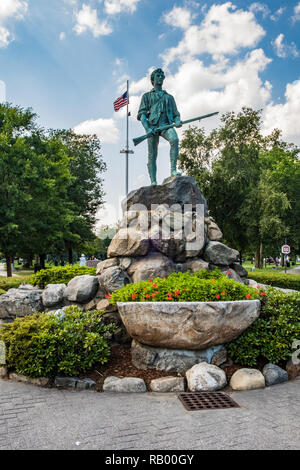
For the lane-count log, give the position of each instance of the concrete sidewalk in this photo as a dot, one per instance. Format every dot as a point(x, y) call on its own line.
point(37, 418)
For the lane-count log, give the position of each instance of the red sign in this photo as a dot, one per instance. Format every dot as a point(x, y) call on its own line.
point(285, 249)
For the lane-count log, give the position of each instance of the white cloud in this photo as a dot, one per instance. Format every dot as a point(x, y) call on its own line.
point(260, 8)
point(178, 17)
point(277, 14)
point(87, 20)
point(113, 7)
point(10, 9)
point(296, 16)
point(224, 30)
point(285, 116)
point(4, 37)
point(283, 50)
point(105, 129)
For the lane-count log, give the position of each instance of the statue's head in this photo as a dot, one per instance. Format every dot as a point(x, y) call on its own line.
point(156, 71)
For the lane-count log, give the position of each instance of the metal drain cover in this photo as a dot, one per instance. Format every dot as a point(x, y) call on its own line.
point(206, 401)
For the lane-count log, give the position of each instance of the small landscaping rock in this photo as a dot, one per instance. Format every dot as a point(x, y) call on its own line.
point(239, 269)
point(126, 385)
point(274, 374)
point(168, 384)
point(41, 381)
point(292, 369)
point(85, 384)
point(65, 382)
point(205, 377)
point(247, 379)
point(3, 372)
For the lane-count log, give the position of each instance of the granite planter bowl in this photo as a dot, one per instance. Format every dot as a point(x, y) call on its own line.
point(187, 325)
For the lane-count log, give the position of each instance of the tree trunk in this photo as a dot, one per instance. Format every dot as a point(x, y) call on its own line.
point(259, 257)
point(42, 260)
point(70, 254)
point(8, 266)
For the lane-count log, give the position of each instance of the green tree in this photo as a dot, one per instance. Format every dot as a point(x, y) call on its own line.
point(85, 193)
point(34, 176)
point(238, 170)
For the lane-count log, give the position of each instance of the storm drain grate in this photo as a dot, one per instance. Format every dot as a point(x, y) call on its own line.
point(206, 401)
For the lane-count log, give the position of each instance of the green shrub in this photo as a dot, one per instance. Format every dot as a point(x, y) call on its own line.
point(272, 334)
point(7, 283)
point(2, 291)
point(47, 344)
point(59, 275)
point(185, 287)
point(277, 279)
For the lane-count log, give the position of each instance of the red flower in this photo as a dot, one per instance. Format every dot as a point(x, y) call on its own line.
point(218, 296)
point(176, 293)
point(150, 280)
point(169, 294)
point(223, 293)
point(134, 296)
point(262, 293)
point(154, 285)
point(213, 280)
point(147, 296)
point(228, 272)
point(143, 299)
point(153, 295)
point(248, 296)
point(157, 292)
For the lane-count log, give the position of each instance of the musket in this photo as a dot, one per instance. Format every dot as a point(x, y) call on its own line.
point(138, 140)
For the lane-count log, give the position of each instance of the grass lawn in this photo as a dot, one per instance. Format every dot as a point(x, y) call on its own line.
point(270, 268)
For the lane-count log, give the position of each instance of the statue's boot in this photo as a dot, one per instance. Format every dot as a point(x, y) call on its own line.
point(174, 158)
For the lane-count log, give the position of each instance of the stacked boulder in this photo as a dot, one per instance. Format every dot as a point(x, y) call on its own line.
point(166, 229)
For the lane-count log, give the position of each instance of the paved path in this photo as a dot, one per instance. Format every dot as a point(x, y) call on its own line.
point(37, 418)
point(293, 270)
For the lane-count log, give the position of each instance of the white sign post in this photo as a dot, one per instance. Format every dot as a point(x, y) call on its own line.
point(285, 250)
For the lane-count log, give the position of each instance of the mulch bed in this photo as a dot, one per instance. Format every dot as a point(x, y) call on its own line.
point(120, 365)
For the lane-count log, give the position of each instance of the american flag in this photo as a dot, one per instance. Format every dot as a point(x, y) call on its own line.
point(120, 102)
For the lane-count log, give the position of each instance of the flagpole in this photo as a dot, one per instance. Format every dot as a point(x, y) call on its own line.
point(127, 151)
point(127, 138)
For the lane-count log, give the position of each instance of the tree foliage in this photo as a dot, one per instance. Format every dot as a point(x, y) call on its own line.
point(249, 180)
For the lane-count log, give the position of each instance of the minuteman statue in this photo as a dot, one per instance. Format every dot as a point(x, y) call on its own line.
point(158, 109)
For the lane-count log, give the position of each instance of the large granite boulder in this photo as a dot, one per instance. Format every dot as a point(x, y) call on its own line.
point(81, 289)
point(20, 302)
point(113, 278)
point(53, 295)
point(174, 190)
point(195, 265)
point(219, 254)
point(205, 377)
point(174, 360)
point(108, 263)
point(187, 325)
point(151, 266)
point(129, 242)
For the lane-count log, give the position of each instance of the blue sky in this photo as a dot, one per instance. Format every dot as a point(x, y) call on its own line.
point(69, 60)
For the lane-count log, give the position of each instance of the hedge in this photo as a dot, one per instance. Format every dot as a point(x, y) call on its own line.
point(202, 286)
point(59, 275)
point(272, 335)
point(7, 283)
point(43, 345)
point(277, 279)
